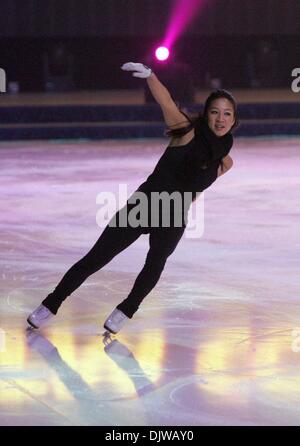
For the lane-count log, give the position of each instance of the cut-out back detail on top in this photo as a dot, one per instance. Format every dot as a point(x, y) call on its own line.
point(182, 145)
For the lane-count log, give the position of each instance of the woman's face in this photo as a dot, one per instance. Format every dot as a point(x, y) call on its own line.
point(220, 116)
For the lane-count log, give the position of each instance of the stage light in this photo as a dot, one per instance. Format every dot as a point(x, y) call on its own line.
point(162, 53)
point(184, 11)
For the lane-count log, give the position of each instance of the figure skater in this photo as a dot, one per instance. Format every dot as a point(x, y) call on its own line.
point(196, 155)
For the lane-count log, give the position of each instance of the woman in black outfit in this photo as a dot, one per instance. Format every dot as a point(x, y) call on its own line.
point(196, 156)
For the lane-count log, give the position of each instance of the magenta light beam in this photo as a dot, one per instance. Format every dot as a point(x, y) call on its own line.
point(182, 15)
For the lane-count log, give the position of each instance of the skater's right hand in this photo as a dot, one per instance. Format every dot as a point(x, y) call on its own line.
point(139, 69)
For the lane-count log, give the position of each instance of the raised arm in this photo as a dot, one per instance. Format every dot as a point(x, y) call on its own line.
point(172, 115)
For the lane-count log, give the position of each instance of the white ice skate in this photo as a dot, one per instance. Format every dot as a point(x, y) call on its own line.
point(39, 316)
point(115, 321)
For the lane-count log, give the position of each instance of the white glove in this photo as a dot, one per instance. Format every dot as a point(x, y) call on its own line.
point(140, 70)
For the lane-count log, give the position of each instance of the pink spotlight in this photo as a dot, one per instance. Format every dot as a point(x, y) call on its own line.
point(162, 53)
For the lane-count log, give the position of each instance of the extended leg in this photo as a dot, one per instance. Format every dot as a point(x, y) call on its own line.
point(111, 242)
point(162, 243)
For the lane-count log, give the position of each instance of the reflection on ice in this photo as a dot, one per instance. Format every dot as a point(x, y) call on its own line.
point(211, 345)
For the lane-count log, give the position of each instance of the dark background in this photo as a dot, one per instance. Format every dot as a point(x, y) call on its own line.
point(249, 43)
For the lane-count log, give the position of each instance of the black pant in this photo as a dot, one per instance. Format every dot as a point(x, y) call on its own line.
point(112, 241)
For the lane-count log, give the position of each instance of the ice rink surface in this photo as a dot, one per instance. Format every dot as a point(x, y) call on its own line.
point(217, 342)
